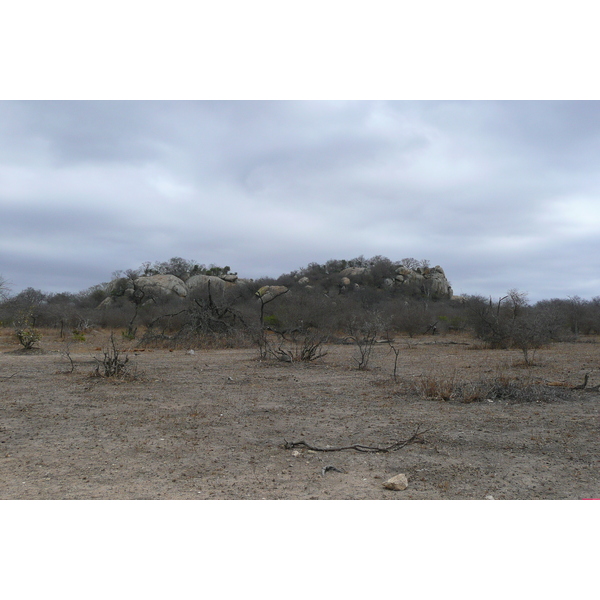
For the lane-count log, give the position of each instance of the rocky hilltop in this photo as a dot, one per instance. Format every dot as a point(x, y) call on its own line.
point(170, 286)
point(410, 279)
point(429, 281)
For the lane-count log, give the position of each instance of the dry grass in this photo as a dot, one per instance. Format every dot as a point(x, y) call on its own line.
point(501, 387)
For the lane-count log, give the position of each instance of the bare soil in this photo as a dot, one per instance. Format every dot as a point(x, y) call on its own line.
point(213, 424)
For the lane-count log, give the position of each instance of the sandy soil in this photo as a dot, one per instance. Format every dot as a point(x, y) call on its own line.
point(212, 425)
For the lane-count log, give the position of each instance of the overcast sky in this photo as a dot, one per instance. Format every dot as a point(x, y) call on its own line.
point(500, 194)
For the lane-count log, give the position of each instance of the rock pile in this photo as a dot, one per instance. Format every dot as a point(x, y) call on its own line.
point(429, 281)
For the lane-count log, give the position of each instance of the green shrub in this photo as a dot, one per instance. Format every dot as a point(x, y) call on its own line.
point(272, 321)
point(28, 337)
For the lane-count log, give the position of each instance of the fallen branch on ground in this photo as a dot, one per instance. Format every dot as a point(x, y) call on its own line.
point(584, 385)
point(9, 376)
point(360, 447)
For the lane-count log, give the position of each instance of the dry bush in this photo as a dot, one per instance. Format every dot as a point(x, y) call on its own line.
point(363, 332)
point(113, 364)
point(302, 347)
point(499, 388)
point(311, 348)
point(432, 388)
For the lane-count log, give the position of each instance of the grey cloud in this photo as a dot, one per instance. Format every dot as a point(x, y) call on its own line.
point(498, 193)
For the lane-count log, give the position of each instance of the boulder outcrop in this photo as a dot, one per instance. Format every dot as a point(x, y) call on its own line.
point(201, 282)
point(168, 285)
point(431, 281)
point(427, 281)
point(163, 283)
point(440, 286)
point(270, 292)
point(353, 272)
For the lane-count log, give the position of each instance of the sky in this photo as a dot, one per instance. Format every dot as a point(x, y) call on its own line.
point(284, 153)
point(501, 194)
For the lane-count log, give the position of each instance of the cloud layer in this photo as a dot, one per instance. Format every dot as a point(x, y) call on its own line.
point(501, 194)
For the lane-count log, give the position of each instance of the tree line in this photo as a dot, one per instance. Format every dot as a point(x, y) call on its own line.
point(320, 309)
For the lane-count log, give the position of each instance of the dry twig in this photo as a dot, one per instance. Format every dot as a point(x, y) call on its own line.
point(9, 376)
point(360, 447)
point(583, 385)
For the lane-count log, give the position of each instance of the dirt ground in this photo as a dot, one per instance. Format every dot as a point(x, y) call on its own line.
point(213, 424)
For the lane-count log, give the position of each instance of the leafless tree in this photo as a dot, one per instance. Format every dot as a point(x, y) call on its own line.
point(4, 288)
point(113, 363)
point(531, 331)
point(396, 352)
point(489, 320)
point(363, 330)
point(410, 263)
point(267, 294)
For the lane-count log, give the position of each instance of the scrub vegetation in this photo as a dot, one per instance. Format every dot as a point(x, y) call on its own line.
point(153, 395)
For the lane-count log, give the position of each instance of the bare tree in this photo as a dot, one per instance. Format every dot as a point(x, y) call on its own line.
point(531, 331)
point(576, 309)
point(4, 288)
point(489, 320)
point(396, 352)
point(267, 294)
point(363, 331)
point(516, 302)
point(410, 263)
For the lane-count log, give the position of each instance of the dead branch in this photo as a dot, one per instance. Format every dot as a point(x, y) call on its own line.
point(282, 355)
point(330, 468)
point(583, 385)
point(360, 447)
point(9, 376)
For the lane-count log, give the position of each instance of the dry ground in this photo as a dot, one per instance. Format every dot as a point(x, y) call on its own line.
point(211, 425)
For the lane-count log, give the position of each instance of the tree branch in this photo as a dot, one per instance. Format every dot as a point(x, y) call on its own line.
point(360, 447)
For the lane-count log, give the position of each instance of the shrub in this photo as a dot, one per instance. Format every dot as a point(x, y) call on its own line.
point(303, 347)
point(25, 331)
point(500, 388)
point(113, 363)
point(363, 331)
point(28, 336)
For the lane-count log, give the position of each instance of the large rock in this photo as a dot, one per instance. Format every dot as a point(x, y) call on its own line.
point(218, 286)
point(440, 286)
point(431, 279)
point(269, 292)
point(164, 283)
point(120, 286)
point(353, 271)
point(230, 277)
point(106, 302)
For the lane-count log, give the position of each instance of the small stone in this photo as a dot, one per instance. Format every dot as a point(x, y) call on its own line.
point(190, 352)
point(490, 497)
point(398, 483)
point(295, 453)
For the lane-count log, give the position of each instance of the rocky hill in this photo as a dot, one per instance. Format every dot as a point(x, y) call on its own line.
point(409, 277)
